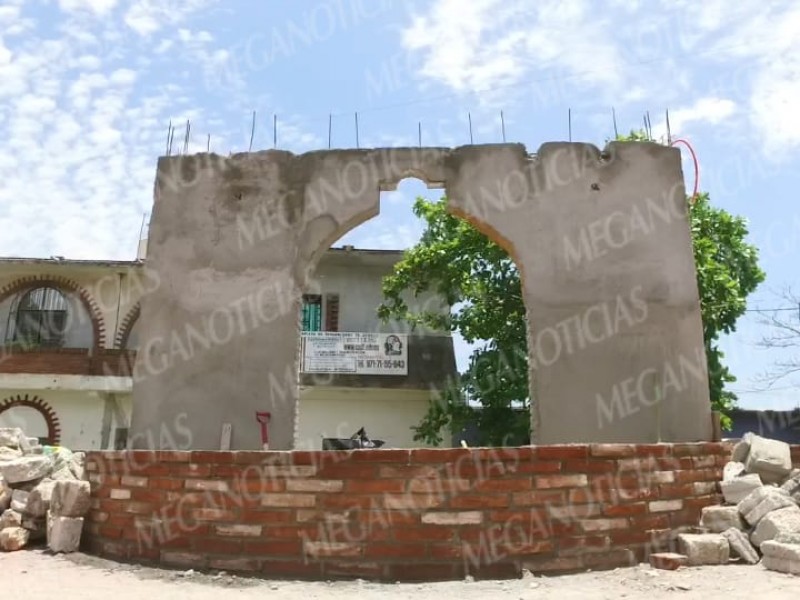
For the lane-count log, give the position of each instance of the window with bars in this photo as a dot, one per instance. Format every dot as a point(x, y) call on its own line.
point(40, 319)
point(312, 313)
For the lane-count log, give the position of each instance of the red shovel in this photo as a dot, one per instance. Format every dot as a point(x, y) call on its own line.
point(263, 420)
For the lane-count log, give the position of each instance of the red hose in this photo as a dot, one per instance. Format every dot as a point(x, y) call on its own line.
point(696, 166)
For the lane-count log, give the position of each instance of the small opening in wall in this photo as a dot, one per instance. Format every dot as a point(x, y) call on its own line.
point(120, 438)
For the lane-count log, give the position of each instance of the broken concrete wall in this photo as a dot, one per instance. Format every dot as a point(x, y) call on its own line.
point(602, 241)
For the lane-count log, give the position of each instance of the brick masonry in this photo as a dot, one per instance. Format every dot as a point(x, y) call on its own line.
point(408, 515)
point(69, 361)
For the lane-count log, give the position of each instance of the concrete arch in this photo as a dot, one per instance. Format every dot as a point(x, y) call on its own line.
point(599, 238)
point(43, 408)
point(68, 286)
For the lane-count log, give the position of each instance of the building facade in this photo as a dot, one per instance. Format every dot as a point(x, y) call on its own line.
point(68, 330)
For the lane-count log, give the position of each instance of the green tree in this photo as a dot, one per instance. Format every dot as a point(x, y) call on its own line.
point(482, 283)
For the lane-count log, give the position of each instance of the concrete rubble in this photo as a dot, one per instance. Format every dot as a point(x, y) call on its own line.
point(721, 518)
point(740, 545)
point(704, 548)
point(760, 520)
point(43, 495)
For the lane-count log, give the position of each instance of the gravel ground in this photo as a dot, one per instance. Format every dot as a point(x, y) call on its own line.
point(34, 575)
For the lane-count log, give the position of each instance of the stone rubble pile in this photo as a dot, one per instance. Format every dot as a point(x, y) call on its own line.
point(43, 493)
point(760, 520)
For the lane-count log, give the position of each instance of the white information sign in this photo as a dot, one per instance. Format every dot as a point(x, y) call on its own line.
point(356, 353)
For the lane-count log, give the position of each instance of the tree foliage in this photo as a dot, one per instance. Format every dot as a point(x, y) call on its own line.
point(482, 284)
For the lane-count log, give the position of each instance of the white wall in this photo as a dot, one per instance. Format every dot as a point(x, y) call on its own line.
point(386, 414)
point(360, 294)
point(80, 414)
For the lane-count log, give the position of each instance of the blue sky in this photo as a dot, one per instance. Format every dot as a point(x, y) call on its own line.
point(88, 87)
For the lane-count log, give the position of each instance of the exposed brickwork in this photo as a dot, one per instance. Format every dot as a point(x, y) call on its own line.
point(24, 284)
point(125, 328)
point(36, 403)
point(69, 361)
point(401, 514)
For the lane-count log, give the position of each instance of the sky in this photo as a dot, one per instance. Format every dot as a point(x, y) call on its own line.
point(88, 89)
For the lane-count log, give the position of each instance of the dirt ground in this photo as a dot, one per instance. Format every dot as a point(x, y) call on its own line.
point(34, 574)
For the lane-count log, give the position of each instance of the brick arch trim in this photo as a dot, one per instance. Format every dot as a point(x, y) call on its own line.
point(125, 328)
point(24, 284)
point(43, 408)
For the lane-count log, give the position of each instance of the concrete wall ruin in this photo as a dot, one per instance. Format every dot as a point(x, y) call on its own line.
point(601, 239)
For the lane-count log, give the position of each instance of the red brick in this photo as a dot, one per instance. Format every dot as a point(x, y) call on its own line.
point(324, 548)
point(217, 545)
point(159, 483)
point(184, 559)
point(653, 449)
point(255, 487)
point(591, 525)
point(394, 550)
point(625, 510)
point(540, 466)
point(610, 559)
point(670, 491)
point(388, 518)
point(274, 548)
point(562, 452)
point(348, 470)
point(579, 545)
point(139, 508)
point(190, 470)
point(538, 497)
point(412, 472)
point(504, 485)
point(671, 463)
point(213, 514)
point(424, 534)
point(561, 481)
point(406, 502)
point(382, 456)
point(612, 450)
point(414, 571)
point(436, 455)
point(445, 551)
point(170, 456)
point(154, 470)
point(589, 466)
point(507, 454)
point(213, 457)
point(691, 449)
point(153, 496)
point(570, 512)
point(480, 501)
point(559, 564)
point(334, 569)
point(236, 564)
point(346, 501)
point(109, 531)
point(296, 568)
point(376, 486)
point(649, 522)
point(632, 536)
point(669, 561)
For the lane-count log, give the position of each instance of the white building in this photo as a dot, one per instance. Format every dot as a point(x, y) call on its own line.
point(68, 336)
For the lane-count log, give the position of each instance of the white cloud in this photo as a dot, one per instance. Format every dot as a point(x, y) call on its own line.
point(717, 59)
point(99, 7)
point(705, 110)
point(478, 46)
point(148, 16)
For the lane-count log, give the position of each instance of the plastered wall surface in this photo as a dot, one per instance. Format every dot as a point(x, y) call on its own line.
point(602, 241)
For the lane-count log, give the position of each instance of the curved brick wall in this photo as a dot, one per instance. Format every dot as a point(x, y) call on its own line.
point(400, 514)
